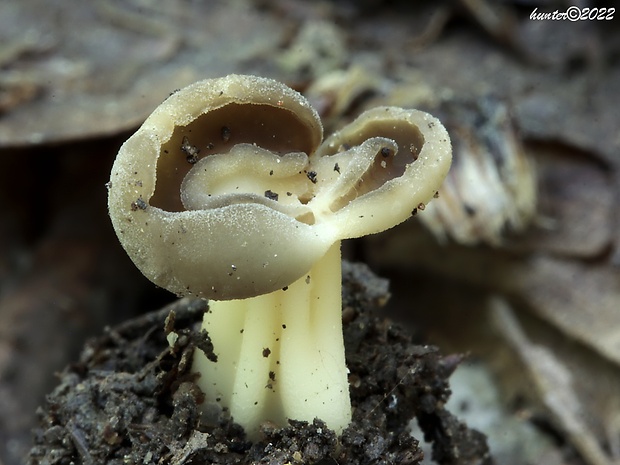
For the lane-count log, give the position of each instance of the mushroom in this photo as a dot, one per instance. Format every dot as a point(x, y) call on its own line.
point(227, 193)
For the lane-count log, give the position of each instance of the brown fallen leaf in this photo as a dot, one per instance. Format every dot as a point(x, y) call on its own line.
point(104, 66)
point(555, 383)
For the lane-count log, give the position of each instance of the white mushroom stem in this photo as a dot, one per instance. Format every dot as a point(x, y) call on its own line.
point(281, 355)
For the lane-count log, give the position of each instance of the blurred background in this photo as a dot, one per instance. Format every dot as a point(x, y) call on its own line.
point(516, 263)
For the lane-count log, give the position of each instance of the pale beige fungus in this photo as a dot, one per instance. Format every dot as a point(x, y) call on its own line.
point(226, 192)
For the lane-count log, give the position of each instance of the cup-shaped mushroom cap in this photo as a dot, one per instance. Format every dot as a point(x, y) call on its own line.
point(390, 163)
point(225, 193)
point(241, 247)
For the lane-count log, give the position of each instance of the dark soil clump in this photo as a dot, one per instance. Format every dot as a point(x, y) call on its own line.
point(131, 399)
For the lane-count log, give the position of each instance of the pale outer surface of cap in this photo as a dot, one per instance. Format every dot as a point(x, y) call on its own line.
point(247, 246)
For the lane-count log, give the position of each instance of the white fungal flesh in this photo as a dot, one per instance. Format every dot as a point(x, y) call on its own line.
point(226, 192)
